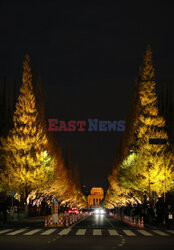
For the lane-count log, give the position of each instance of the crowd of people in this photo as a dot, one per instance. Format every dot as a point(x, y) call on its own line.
point(159, 213)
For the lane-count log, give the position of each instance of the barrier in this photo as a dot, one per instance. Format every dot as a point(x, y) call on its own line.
point(66, 221)
point(60, 222)
point(63, 220)
point(50, 221)
point(132, 221)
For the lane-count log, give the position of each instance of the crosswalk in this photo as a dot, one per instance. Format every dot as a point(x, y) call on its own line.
point(85, 232)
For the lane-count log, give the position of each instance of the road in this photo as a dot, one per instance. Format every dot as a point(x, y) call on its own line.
point(94, 232)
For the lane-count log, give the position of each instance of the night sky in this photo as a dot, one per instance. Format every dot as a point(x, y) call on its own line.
point(88, 54)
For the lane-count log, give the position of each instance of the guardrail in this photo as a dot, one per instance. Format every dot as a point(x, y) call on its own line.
point(64, 220)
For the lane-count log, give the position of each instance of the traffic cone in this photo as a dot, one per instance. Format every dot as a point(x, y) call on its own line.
point(126, 218)
point(46, 222)
point(142, 223)
point(134, 222)
point(139, 223)
point(128, 221)
point(131, 221)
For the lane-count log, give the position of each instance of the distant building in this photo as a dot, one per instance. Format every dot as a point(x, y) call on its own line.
point(95, 197)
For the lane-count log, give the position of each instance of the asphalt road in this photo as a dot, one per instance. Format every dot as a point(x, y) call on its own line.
point(94, 232)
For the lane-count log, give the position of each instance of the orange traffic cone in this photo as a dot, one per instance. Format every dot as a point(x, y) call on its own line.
point(134, 222)
point(142, 223)
point(131, 221)
point(139, 223)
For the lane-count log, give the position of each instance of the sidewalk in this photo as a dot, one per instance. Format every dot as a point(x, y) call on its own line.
point(37, 221)
point(154, 225)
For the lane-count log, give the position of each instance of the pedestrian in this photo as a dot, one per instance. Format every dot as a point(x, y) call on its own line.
point(159, 212)
point(169, 214)
point(151, 214)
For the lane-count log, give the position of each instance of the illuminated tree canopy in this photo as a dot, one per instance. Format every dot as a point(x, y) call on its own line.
point(143, 167)
point(28, 165)
point(32, 159)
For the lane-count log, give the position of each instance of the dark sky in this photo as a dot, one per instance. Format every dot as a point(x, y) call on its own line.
point(88, 54)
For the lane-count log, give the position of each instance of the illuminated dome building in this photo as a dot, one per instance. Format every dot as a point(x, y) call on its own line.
point(95, 197)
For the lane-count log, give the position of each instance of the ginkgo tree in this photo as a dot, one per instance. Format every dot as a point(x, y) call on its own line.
point(28, 164)
point(151, 165)
point(146, 167)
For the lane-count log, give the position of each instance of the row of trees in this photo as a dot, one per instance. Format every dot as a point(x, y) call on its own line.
point(31, 159)
point(141, 168)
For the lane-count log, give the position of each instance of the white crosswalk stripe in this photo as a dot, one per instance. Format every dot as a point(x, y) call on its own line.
point(48, 232)
point(145, 233)
point(81, 232)
point(97, 232)
point(64, 231)
point(32, 232)
point(113, 232)
point(5, 231)
point(160, 232)
point(170, 231)
point(128, 232)
point(17, 232)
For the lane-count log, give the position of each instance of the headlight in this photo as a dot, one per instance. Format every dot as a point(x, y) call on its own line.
point(97, 211)
point(102, 211)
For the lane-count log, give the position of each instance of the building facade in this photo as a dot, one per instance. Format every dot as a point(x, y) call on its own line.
point(95, 197)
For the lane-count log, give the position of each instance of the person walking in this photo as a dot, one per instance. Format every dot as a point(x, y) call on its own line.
point(169, 216)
